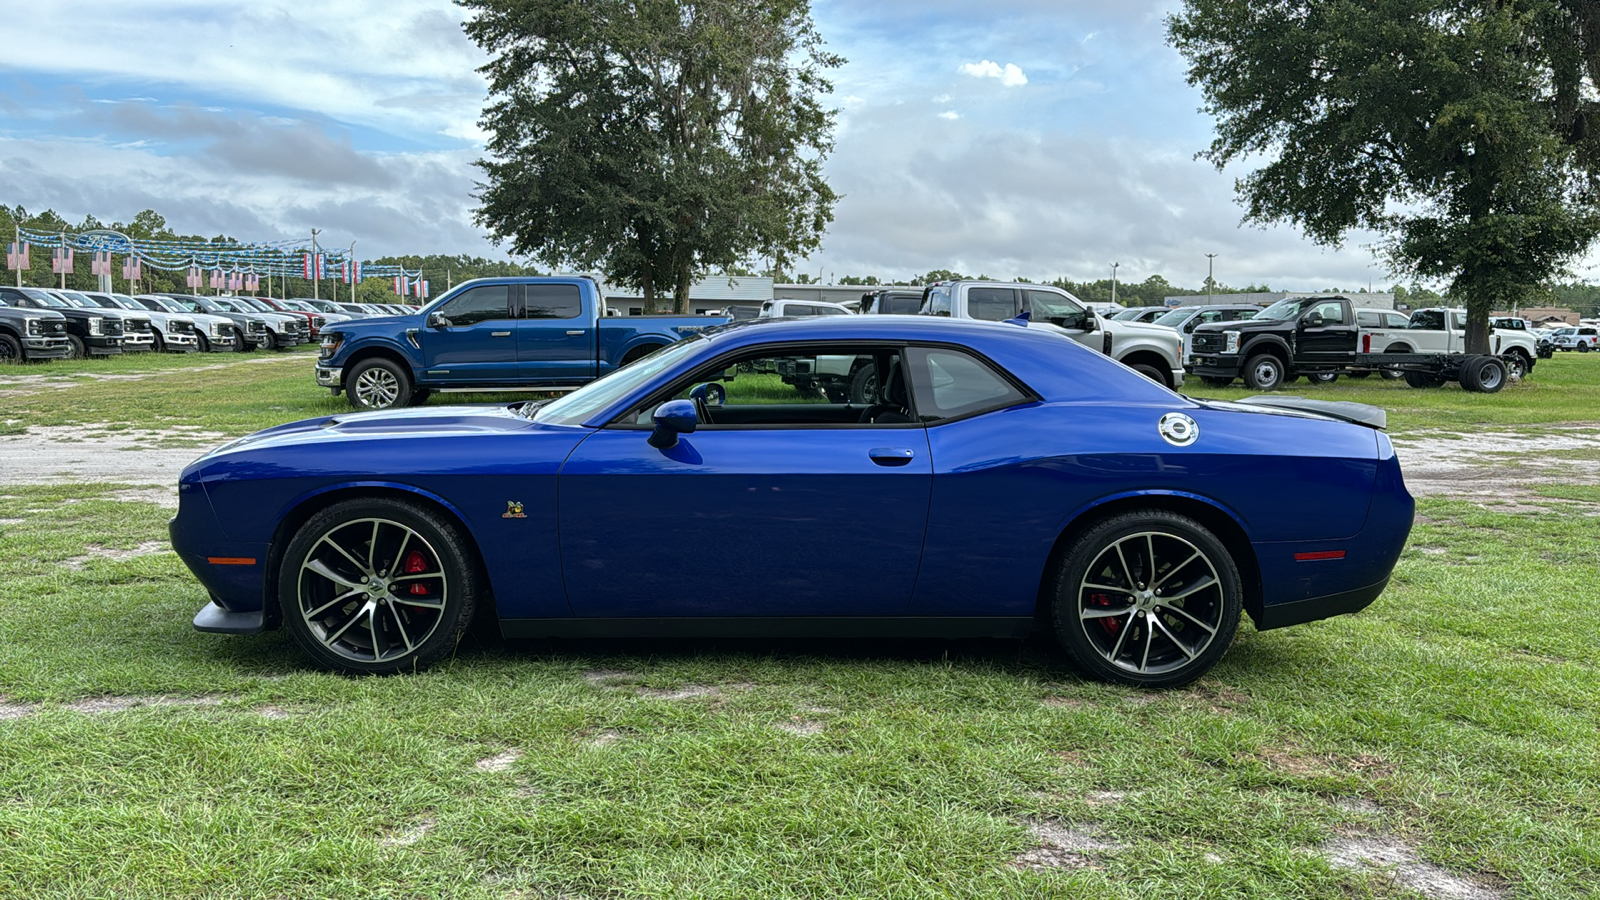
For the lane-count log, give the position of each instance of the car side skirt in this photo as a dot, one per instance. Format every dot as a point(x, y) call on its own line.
point(774, 626)
point(1282, 615)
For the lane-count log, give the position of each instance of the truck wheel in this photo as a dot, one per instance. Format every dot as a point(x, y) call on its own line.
point(245, 345)
point(1323, 377)
point(160, 345)
point(1150, 599)
point(1216, 380)
point(419, 397)
point(378, 384)
point(10, 350)
point(1360, 374)
point(1150, 372)
point(201, 344)
point(864, 385)
point(1264, 372)
point(79, 350)
point(1424, 379)
point(1583, 348)
point(1483, 374)
point(1516, 366)
point(1391, 374)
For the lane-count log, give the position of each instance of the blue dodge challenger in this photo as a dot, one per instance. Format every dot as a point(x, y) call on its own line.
point(880, 475)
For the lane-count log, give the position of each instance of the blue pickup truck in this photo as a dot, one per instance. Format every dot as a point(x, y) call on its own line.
point(492, 334)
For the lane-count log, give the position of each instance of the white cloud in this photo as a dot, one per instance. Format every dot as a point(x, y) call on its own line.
point(950, 114)
point(1009, 74)
point(942, 98)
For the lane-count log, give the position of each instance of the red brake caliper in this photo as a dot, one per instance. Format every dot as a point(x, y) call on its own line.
point(1111, 625)
point(416, 564)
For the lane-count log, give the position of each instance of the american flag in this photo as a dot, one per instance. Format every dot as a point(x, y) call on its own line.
point(252, 282)
point(216, 278)
point(99, 263)
point(194, 279)
point(61, 260)
point(130, 268)
point(17, 256)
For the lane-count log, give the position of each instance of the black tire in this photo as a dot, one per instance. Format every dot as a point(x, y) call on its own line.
point(201, 343)
point(1483, 374)
point(409, 573)
point(1423, 379)
point(1517, 366)
point(160, 345)
point(1323, 377)
point(245, 345)
point(79, 350)
point(1150, 372)
point(864, 385)
point(419, 397)
point(1360, 374)
point(639, 353)
point(378, 384)
point(1583, 348)
point(1108, 589)
point(10, 351)
point(1265, 372)
point(1216, 380)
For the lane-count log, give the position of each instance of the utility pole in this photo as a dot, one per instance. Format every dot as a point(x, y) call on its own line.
point(355, 282)
point(1114, 267)
point(63, 260)
point(314, 233)
point(1211, 271)
point(19, 253)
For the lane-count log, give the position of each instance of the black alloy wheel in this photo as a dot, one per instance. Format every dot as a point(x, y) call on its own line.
point(1150, 599)
point(377, 587)
point(10, 350)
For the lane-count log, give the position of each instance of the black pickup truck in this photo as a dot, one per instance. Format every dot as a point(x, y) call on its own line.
point(1319, 337)
point(27, 334)
point(88, 333)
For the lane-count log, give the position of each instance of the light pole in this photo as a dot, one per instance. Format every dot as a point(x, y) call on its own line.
point(1211, 271)
point(355, 281)
point(1114, 267)
point(314, 233)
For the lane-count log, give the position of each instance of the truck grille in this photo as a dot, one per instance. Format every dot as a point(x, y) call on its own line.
point(1209, 342)
point(180, 327)
point(227, 331)
point(113, 327)
point(51, 329)
point(139, 326)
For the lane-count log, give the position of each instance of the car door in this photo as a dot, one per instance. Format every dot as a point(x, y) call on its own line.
point(555, 340)
point(472, 337)
point(1332, 340)
point(783, 504)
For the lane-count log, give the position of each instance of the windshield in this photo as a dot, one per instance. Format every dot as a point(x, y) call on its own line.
point(74, 298)
point(44, 299)
point(585, 401)
point(1286, 309)
point(102, 301)
point(1173, 319)
point(166, 303)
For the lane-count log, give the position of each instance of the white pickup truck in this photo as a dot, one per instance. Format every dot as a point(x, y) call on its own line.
point(1151, 350)
point(1426, 332)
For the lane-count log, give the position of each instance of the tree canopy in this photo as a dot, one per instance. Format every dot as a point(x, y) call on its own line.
point(654, 140)
point(1465, 131)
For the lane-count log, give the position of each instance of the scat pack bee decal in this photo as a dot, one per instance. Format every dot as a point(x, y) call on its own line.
point(513, 511)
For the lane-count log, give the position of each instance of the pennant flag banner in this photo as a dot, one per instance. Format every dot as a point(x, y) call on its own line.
point(195, 279)
point(216, 278)
point(61, 261)
point(352, 272)
point(130, 269)
point(17, 256)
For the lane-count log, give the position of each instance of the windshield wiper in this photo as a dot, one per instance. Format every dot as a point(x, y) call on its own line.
point(527, 409)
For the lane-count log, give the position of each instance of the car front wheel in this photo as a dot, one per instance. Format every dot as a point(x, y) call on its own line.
point(10, 350)
point(1264, 372)
point(1150, 599)
point(377, 587)
point(378, 384)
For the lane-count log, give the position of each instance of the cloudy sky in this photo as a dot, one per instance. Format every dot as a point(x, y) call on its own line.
point(1034, 138)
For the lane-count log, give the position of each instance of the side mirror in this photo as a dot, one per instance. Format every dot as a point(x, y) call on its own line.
point(710, 393)
point(437, 320)
point(672, 418)
point(1313, 320)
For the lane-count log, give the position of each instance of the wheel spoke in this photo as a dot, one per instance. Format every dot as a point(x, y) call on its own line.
point(1174, 570)
point(332, 603)
point(372, 548)
point(327, 539)
point(1127, 572)
point(423, 604)
point(1122, 637)
point(1172, 637)
point(1208, 581)
point(1185, 614)
point(400, 555)
point(1149, 635)
point(1105, 587)
point(401, 626)
point(1105, 613)
point(399, 578)
point(326, 571)
point(332, 639)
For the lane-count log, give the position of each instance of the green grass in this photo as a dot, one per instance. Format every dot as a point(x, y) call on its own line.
point(1462, 708)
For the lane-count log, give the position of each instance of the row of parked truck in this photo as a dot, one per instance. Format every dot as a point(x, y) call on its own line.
point(49, 323)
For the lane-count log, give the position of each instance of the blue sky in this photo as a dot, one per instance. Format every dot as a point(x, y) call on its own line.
point(1034, 138)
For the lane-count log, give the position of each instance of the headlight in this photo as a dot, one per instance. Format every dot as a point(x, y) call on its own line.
point(330, 344)
point(214, 329)
point(35, 326)
point(1231, 342)
point(97, 326)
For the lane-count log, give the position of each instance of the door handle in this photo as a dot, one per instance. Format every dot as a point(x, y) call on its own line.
point(499, 334)
point(890, 456)
point(578, 332)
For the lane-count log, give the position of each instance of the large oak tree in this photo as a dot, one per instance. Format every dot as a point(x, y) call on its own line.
point(654, 140)
point(1465, 131)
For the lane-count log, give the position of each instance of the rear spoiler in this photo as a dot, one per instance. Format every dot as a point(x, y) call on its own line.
point(1343, 410)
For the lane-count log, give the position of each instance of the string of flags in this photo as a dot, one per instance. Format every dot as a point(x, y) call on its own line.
point(225, 265)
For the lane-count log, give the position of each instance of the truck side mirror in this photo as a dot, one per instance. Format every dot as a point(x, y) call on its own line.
point(1313, 319)
point(437, 320)
point(672, 418)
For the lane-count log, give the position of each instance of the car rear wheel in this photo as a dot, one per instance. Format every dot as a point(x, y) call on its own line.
point(378, 384)
point(1150, 372)
point(1424, 379)
point(1323, 377)
point(377, 587)
point(160, 345)
point(78, 349)
point(10, 350)
point(1150, 599)
point(1264, 372)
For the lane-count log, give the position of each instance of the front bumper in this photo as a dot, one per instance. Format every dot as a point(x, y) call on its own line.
point(138, 342)
point(46, 348)
point(283, 340)
point(1215, 365)
point(180, 343)
point(330, 378)
point(223, 343)
point(103, 345)
point(1177, 378)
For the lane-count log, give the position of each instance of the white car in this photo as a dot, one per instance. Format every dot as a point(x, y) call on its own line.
point(1582, 338)
point(774, 309)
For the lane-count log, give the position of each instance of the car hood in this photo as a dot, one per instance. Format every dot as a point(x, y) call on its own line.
point(379, 325)
point(431, 422)
point(1243, 325)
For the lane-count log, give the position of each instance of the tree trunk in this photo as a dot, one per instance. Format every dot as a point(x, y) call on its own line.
point(1478, 308)
point(649, 292)
point(680, 297)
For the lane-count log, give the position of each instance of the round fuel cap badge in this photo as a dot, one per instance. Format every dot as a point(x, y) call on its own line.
point(1178, 429)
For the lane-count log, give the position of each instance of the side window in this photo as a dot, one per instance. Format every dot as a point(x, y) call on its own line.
point(1458, 322)
point(1332, 313)
point(551, 301)
point(1366, 319)
point(992, 304)
point(830, 311)
point(482, 304)
point(1427, 320)
point(801, 387)
point(937, 303)
point(950, 383)
point(1395, 320)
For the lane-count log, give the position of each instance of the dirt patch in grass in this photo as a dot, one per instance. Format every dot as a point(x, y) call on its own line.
point(1062, 846)
point(500, 762)
point(98, 705)
point(1401, 865)
point(47, 453)
point(801, 727)
point(687, 692)
point(1501, 467)
point(12, 710)
point(166, 497)
point(405, 837)
point(604, 738)
point(100, 551)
